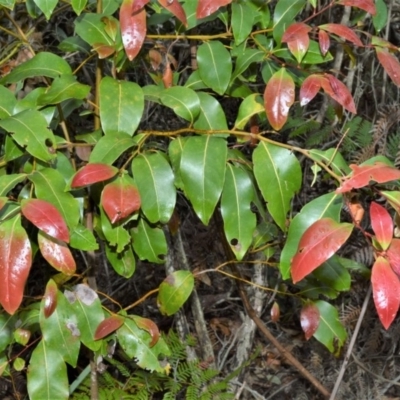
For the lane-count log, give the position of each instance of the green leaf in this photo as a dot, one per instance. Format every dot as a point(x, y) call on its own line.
point(333, 159)
point(115, 234)
point(47, 374)
point(326, 206)
point(29, 129)
point(91, 28)
point(242, 21)
point(155, 180)
point(174, 291)
point(8, 182)
point(278, 175)
point(87, 308)
point(251, 105)
point(380, 18)
point(8, 4)
point(121, 106)
point(136, 343)
point(330, 332)
point(78, 5)
point(334, 275)
point(212, 116)
point(239, 221)
point(215, 65)
point(194, 81)
point(149, 243)
point(175, 154)
point(50, 186)
point(60, 330)
point(46, 6)
point(7, 102)
point(184, 102)
point(82, 239)
point(284, 15)
point(203, 165)
point(63, 88)
point(42, 64)
point(313, 55)
point(110, 147)
point(124, 263)
point(7, 325)
point(245, 59)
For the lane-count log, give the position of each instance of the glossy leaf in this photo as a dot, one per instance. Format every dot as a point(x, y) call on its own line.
point(339, 92)
point(15, 263)
point(242, 21)
point(47, 6)
point(278, 175)
point(332, 158)
point(57, 254)
point(245, 59)
point(275, 312)
point(207, 7)
point(250, 106)
point(91, 28)
point(393, 256)
point(124, 262)
point(83, 239)
point(278, 98)
point(149, 243)
point(50, 298)
point(183, 101)
point(211, 116)
point(319, 242)
point(175, 150)
point(108, 325)
point(366, 5)
point(175, 8)
point(136, 342)
point(330, 332)
point(309, 88)
point(7, 326)
point(47, 374)
point(78, 5)
point(133, 28)
point(46, 217)
point(50, 186)
point(149, 326)
point(334, 275)
point(386, 291)
point(93, 173)
point(86, 306)
point(9, 181)
point(215, 65)
point(121, 106)
point(30, 130)
point(116, 235)
point(380, 19)
point(284, 14)
point(382, 224)
point(324, 42)
point(309, 319)
point(393, 197)
point(174, 291)
point(138, 5)
point(343, 32)
point(42, 64)
point(60, 329)
point(390, 63)
point(7, 102)
point(239, 221)
point(364, 174)
point(155, 180)
point(202, 168)
point(296, 37)
point(120, 198)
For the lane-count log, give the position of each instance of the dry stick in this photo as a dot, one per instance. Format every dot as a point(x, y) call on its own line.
point(351, 344)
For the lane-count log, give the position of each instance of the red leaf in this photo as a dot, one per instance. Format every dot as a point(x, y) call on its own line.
point(133, 28)
point(324, 42)
point(275, 312)
point(15, 263)
point(296, 36)
point(149, 326)
point(50, 298)
point(318, 243)
point(207, 7)
point(382, 224)
point(92, 173)
point(393, 255)
point(366, 5)
point(138, 5)
point(339, 92)
point(45, 217)
point(363, 175)
point(175, 8)
point(103, 50)
point(390, 63)
point(386, 291)
point(57, 254)
point(343, 32)
point(377, 41)
point(107, 326)
point(294, 30)
point(309, 319)
point(310, 88)
point(120, 199)
point(278, 98)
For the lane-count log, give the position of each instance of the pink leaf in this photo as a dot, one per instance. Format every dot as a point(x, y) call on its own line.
point(366, 5)
point(382, 224)
point(45, 217)
point(50, 298)
point(318, 243)
point(390, 63)
point(149, 326)
point(363, 175)
point(107, 326)
point(386, 291)
point(207, 7)
point(342, 31)
point(296, 36)
point(339, 92)
point(310, 88)
point(324, 42)
point(175, 8)
point(275, 312)
point(309, 319)
point(278, 98)
point(93, 173)
point(393, 255)
point(137, 5)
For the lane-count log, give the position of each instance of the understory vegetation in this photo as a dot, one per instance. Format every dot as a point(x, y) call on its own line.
point(199, 199)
